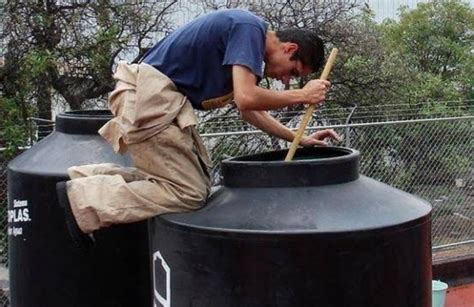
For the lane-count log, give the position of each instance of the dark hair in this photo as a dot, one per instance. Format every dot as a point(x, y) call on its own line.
point(310, 46)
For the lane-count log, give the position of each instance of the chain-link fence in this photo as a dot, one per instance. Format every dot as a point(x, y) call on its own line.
point(427, 151)
point(4, 287)
point(429, 158)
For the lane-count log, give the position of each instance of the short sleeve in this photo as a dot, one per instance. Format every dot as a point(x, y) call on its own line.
point(246, 47)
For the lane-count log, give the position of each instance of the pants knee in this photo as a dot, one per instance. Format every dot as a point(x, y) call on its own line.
point(197, 198)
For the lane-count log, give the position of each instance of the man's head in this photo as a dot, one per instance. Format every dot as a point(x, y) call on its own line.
point(295, 52)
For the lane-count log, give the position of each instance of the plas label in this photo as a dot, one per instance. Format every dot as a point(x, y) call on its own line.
point(18, 215)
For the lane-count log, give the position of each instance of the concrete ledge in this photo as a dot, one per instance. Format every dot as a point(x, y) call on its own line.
point(454, 271)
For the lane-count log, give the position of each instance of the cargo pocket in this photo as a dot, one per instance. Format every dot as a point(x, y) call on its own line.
point(201, 151)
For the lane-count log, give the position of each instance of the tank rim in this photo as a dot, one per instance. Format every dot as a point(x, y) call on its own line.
point(390, 228)
point(82, 121)
point(349, 154)
point(100, 113)
point(333, 165)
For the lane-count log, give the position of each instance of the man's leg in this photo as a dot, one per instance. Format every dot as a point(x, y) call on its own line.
point(174, 180)
point(128, 173)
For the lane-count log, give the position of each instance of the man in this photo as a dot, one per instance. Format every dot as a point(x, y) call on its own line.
point(208, 63)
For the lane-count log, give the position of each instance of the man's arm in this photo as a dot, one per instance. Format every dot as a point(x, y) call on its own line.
point(268, 124)
point(249, 96)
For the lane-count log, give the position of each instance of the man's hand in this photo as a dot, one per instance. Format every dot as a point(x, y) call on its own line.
point(318, 138)
point(248, 96)
point(315, 91)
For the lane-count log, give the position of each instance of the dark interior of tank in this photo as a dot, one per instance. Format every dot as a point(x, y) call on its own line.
point(313, 153)
point(88, 113)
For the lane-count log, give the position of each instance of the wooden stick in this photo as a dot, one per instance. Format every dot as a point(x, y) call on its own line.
point(310, 109)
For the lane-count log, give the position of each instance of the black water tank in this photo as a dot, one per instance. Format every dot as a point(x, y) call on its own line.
point(311, 232)
point(46, 269)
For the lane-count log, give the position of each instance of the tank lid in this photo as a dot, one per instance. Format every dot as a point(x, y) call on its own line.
point(82, 122)
point(310, 167)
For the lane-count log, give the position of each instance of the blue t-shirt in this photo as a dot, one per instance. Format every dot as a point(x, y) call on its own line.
point(198, 57)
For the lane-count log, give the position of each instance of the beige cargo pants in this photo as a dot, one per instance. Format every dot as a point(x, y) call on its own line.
point(171, 166)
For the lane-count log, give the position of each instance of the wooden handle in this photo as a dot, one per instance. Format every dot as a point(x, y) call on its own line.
point(309, 111)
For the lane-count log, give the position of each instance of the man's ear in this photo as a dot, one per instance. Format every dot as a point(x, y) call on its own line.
point(291, 47)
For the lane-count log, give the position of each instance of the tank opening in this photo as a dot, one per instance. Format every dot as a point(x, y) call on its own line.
point(314, 153)
point(82, 121)
point(102, 113)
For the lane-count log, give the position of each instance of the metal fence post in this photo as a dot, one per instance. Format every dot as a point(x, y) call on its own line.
point(348, 120)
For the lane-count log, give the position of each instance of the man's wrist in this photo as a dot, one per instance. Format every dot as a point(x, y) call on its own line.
point(300, 97)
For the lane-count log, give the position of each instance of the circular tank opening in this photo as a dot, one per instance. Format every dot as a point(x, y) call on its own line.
point(331, 164)
point(82, 121)
point(302, 154)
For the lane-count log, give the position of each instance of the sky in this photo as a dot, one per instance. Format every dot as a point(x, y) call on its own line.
point(389, 8)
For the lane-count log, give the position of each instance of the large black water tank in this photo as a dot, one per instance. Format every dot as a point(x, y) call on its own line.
point(311, 232)
point(46, 269)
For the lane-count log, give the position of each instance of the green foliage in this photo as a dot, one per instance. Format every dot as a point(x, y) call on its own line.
point(13, 129)
point(38, 63)
point(428, 56)
point(434, 42)
point(69, 49)
point(14, 107)
point(355, 63)
point(99, 52)
point(364, 73)
point(429, 154)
